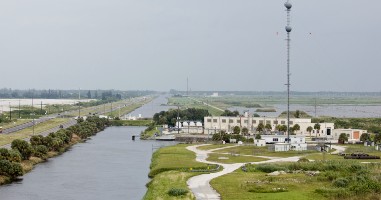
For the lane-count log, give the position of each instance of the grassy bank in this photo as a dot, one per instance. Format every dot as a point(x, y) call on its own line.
point(170, 168)
point(131, 122)
point(38, 128)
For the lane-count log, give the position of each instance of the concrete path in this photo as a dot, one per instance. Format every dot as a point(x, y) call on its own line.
point(200, 184)
point(339, 149)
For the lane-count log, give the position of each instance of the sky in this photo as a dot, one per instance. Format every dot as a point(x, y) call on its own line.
point(217, 44)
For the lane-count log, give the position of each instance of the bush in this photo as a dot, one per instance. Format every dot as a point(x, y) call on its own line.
point(10, 169)
point(23, 147)
point(303, 160)
point(341, 182)
point(40, 151)
point(177, 192)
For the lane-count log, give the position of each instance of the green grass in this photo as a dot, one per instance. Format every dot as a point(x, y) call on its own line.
point(159, 186)
point(174, 158)
point(8, 138)
point(170, 168)
point(214, 146)
point(16, 123)
point(262, 151)
point(214, 157)
point(185, 102)
point(237, 185)
point(135, 122)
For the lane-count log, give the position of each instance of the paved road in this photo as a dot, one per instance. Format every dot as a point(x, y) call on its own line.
point(200, 184)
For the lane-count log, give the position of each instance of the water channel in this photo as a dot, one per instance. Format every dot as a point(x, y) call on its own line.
point(108, 166)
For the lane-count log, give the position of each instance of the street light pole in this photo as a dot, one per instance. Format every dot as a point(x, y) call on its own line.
point(10, 111)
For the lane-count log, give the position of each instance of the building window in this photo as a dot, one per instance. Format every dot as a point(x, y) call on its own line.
point(275, 122)
point(268, 122)
point(261, 121)
point(238, 121)
point(246, 121)
point(224, 121)
point(254, 121)
point(215, 120)
point(282, 122)
point(322, 131)
point(209, 120)
point(275, 139)
point(230, 121)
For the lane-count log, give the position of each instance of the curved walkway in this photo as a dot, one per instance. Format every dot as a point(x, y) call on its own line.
point(200, 184)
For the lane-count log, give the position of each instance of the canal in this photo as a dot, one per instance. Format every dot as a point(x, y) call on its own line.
point(107, 166)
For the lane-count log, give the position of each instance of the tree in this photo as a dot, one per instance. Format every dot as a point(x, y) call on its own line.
point(260, 127)
point(268, 127)
point(297, 114)
point(377, 138)
point(317, 128)
point(258, 137)
point(365, 137)
point(282, 128)
point(343, 138)
point(23, 147)
point(309, 129)
point(245, 131)
point(236, 130)
point(89, 94)
point(255, 115)
point(296, 127)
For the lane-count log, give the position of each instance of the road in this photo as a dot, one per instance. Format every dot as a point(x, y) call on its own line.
point(200, 184)
point(98, 109)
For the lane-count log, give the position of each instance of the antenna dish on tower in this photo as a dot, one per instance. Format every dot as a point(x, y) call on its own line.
point(288, 5)
point(288, 28)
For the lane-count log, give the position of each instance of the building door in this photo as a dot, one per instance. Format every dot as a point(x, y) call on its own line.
point(328, 131)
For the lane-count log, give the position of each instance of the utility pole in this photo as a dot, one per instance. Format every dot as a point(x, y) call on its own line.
point(33, 114)
point(79, 103)
point(177, 121)
point(19, 109)
point(10, 111)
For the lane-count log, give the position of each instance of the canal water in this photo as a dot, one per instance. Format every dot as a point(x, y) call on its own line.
point(108, 166)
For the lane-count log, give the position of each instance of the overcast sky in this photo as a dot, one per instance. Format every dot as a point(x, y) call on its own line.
point(218, 44)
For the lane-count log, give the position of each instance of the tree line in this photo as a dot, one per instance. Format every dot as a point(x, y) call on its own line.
point(39, 146)
point(170, 117)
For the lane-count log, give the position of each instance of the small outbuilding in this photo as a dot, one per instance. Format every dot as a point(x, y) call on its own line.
point(259, 142)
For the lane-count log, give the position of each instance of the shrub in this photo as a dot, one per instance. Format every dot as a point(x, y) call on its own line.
point(10, 169)
point(303, 160)
point(40, 151)
point(177, 192)
point(341, 182)
point(23, 147)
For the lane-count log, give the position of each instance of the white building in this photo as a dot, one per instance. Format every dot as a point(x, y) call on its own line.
point(259, 142)
point(228, 123)
point(352, 134)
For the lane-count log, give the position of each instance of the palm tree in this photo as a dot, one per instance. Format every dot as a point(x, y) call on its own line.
point(260, 127)
point(309, 129)
point(268, 127)
point(317, 127)
point(296, 127)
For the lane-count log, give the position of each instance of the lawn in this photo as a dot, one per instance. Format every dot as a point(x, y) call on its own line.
point(261, 151)
point(159, 186)
point(8, 138)
point(229, 159)
point(214, 146)
point(16, 123)
point(242, 185)
point(334, 179)
point(171, 168)
point(174, 158)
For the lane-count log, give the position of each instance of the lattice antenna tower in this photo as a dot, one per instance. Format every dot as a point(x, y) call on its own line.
point(288, 28)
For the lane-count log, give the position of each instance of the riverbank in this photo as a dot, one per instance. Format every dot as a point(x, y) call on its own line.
point(170, 168)
point(24, 156)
